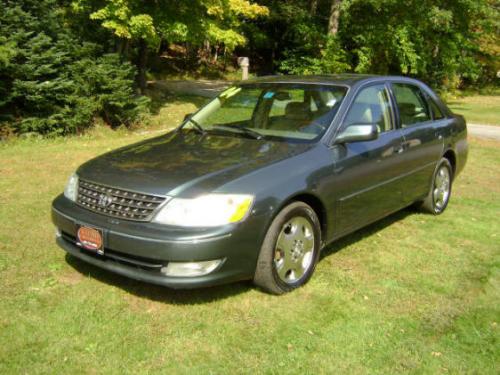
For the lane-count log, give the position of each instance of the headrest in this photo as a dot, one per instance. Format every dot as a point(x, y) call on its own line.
point(407, 108)
point(360, 113)
point(296, 111)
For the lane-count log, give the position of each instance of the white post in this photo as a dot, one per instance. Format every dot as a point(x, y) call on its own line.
point(244, 62)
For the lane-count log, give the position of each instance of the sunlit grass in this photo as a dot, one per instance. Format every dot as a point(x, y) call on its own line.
point(411, 294)
point(477, 109)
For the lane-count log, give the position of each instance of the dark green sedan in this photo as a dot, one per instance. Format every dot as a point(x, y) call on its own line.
point(257, 182)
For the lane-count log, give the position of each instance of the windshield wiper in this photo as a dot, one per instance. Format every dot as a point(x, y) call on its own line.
point(197, 126)
point(241, 129)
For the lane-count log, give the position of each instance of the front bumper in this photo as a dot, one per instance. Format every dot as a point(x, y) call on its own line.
point(139, 250)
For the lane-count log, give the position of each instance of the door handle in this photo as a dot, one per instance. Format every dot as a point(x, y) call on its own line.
point(399, 150)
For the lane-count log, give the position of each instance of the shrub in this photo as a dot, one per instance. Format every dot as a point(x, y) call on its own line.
point(332, 59)
point(52, 83)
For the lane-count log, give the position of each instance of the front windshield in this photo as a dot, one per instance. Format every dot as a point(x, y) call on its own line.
point(291, 112)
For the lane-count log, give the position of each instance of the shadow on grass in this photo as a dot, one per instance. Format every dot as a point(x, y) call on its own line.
point(197, 93)
point(158, 101)
point(366, 232)
point(159, 293)
point(210, 294)
point(457, 104)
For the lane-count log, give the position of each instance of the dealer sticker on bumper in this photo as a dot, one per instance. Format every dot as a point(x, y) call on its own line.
point(90, 239)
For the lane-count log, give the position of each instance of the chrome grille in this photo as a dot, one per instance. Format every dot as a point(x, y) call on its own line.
point(118, 203)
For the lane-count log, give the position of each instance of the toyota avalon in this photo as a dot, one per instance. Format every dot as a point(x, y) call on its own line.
point(258, 181)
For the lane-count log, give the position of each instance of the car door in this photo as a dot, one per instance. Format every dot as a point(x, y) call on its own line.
point(423, 141)
point(367, 174)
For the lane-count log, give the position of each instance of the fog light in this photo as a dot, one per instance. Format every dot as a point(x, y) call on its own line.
point(190, 269)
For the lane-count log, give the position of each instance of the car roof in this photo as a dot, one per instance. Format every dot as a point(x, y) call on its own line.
point(349, 80)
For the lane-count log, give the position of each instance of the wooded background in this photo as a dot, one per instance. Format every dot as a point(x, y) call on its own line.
point(64, 63)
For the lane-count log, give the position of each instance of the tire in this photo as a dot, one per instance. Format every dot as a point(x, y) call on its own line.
point(290, 250)
point(440, 191)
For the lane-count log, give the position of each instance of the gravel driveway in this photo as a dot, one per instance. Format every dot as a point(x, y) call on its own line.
point(484, 131)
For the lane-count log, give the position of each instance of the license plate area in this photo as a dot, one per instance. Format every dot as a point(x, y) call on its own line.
point(90, 239)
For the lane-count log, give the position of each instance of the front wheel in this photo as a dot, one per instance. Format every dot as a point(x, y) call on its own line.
point(290, 250)
point(440, 192)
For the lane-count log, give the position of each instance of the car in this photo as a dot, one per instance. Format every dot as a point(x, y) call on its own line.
point(262, 178)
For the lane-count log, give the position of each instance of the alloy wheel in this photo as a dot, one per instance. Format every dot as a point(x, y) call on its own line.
point(294, 252)
point(441, 190)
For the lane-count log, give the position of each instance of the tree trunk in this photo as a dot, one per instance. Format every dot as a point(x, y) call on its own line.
point(141, 65)
point(224, 55)
point(207, 50)
point(119, 45)
point(126, 49)
point(216, 54)
point(333, 21)
point(314, 7)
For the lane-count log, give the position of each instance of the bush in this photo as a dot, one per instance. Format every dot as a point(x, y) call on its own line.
point(52, 83)
point(104, 87)
point(331, 60)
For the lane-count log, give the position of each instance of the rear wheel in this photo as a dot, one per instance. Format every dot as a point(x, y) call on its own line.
point(440, 192)
point(290, 250)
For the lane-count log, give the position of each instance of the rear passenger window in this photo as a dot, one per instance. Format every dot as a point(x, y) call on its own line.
point(437, 114)
point(412, 105)
point(371, 106)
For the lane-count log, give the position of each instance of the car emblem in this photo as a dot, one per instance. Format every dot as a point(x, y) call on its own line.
point(104, 200)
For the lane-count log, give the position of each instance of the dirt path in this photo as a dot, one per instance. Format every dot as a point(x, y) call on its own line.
point(204, 88)
point(484, 131)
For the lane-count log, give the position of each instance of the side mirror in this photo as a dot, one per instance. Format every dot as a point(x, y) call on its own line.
point(357, 133)
point(186, 116)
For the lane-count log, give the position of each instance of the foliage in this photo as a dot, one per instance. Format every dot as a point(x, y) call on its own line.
point(445, 43)
point(47, 46)
point(216, 21)
point(53, 83)
point(123, 19)
point(104, 86)
point(332, 59)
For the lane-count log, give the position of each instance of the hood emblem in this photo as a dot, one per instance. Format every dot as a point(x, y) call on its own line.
point(105, 200)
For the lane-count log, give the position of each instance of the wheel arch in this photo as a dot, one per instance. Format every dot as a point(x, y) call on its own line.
point(315, 203)
point(452, 158)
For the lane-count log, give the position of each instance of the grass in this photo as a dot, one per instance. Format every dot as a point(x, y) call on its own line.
point(169, 110)
point(410, 294)
point(477, 109)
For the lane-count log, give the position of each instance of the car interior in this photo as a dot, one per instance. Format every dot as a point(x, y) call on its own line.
point(370, 107)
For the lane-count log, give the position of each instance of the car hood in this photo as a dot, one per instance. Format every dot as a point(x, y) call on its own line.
point(184, 162)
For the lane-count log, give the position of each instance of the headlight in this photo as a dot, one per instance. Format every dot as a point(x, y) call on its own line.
point(205, 211)
point(71, 190)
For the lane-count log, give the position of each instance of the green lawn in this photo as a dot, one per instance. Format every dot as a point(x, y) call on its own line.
point(411, 294)
point(478, 109)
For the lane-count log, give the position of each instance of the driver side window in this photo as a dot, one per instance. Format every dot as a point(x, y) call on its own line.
point(371, 106)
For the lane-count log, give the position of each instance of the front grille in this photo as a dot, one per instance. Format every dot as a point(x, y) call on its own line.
point(117, 203)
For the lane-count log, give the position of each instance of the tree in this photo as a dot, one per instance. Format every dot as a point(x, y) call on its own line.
point(146, 24)
point(333, 21)
point(41, 68)
point(447, 44)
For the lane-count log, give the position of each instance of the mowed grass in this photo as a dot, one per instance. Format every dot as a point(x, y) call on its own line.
point(412, 293)
point(478, 109)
